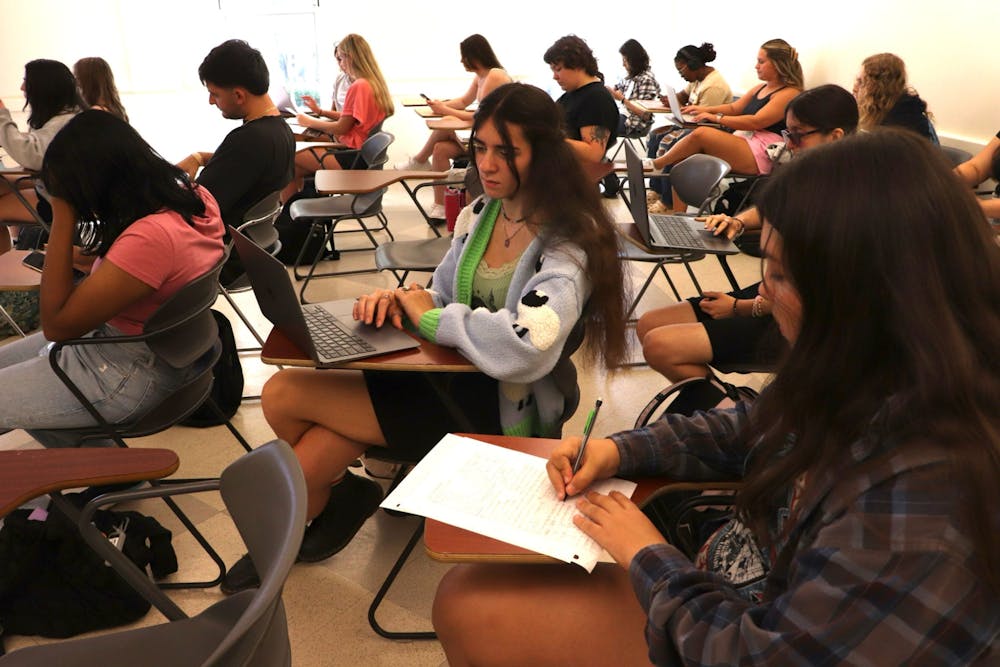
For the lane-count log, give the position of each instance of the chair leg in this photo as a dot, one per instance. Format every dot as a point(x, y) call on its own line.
point(384, 589)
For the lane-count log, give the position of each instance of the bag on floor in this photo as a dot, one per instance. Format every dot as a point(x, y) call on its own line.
point(294, 235)
point(22, 306)
point(54, 585)
point(227, 385)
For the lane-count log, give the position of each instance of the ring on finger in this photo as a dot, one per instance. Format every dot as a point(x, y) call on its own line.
point(384, 296)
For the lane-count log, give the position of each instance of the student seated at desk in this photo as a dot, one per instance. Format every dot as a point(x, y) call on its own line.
point(639, 84)
point(540, 256)
point(444, 145)
point(758, 117)
point(152, 232)
point(51, 93)
point(367, 104)
point(337, 98)
point(682, 339)
point(97, 85)
point(984, 165)
point(870, 464)
point(885, 98)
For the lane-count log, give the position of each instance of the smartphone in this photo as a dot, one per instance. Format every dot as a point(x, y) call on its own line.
point(36, 260)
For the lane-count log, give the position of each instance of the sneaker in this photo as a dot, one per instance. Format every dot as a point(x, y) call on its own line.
point(241, 576)
point(659, 207)
point(413, 165)
point(351, 502)
point(436, 212)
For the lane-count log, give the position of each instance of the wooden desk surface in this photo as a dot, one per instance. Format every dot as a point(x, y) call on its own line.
point(360, 181)
point(413, 101)
point(449, 123)
point(449, 544)
point(16, 276)
point(280, 350)
point(653, 106)
point(29, 473)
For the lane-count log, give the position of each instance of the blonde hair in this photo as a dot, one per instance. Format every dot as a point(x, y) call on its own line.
point(883, 82)
point(786, 62)
point(363, 66)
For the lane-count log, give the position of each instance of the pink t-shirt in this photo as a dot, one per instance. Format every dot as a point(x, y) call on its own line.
point(360, 105)
point(165, 252)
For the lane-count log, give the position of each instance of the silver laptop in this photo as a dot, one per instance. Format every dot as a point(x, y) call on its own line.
point(326, 331)
point(675, 109)
point(668, 232)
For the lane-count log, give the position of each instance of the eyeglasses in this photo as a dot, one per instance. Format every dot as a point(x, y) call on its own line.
point(792, 137)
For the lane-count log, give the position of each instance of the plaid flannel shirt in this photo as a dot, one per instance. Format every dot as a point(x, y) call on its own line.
point(643, 87)
point(872, 571)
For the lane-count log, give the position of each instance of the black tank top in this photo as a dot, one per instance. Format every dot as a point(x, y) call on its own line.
point(756, 104)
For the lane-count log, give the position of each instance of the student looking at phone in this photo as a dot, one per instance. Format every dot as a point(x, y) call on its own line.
point(157, 232)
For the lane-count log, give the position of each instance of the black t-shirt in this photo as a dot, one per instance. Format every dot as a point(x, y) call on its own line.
point(588, 105)
point(253, 161)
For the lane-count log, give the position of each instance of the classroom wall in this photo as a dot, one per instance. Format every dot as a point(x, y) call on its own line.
point(155, 47)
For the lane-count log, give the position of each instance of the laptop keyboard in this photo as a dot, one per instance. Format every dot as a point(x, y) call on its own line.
point(676, 232)
point(330, 338)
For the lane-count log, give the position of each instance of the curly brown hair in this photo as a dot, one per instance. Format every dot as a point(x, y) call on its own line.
point(881, 84)
point(573, 53)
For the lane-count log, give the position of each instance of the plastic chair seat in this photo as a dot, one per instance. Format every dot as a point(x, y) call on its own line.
point(334, 207)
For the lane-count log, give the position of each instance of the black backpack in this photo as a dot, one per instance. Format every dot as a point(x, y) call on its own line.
point(227, 387)
point(54, 585)
point(294, 235)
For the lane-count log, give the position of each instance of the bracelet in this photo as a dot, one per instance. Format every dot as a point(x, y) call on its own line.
point(743, 228)
point(735, 301)
point(197, 158)
point(758, 307)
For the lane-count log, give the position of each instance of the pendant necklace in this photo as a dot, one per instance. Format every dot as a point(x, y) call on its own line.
point(507, 238)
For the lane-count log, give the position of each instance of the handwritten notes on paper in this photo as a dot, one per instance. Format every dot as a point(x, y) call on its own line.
point(500, 493)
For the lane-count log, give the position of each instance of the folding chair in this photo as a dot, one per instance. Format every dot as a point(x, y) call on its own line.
point(696, 179)
point(327, 212)
point(265, 494)
point(183, 333)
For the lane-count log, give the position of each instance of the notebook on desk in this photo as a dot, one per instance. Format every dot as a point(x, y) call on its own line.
point(668, 232)
point(675, 109)
point(326, 331)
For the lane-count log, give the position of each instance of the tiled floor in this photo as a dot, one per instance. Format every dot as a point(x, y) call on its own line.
point(327, 602)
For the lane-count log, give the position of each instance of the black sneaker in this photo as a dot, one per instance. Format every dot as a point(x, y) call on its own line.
point(241, 576)
point(351, 502)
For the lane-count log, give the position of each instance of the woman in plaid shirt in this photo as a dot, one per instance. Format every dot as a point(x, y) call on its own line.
point(640, 84)
point(871, 464)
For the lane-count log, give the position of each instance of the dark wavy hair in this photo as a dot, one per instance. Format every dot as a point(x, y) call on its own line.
point(695, 57)
point(108, 173)
point(97, 83)
point(476, 50)
point(557, 191)
point(573, 53)
point(826, 108)
point(49, 89)
point(636, 58)
point(898, 273)
point(235, 63)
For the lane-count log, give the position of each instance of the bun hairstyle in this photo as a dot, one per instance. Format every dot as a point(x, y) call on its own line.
point(696, 57)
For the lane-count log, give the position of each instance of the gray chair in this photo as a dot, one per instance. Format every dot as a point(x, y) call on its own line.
point(402, 257)
point(326, 213)
point(696, 180)
point(265, 494)
point(183, 333)
point(258, 225)
point(955, 155)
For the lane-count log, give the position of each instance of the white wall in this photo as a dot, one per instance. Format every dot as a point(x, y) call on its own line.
point(155, 47)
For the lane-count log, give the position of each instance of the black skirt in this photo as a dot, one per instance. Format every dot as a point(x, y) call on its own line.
point(415, 410)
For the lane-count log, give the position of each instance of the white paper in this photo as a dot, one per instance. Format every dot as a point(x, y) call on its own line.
point(500, 493)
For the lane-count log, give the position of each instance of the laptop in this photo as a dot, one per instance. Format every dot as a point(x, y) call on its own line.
point(675, 109)
point(326, 331)
point(668, 232)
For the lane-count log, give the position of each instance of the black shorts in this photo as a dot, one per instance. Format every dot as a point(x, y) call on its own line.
point(413, 417)
point(350, 159)
point(741, 340)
